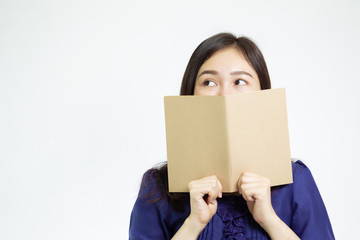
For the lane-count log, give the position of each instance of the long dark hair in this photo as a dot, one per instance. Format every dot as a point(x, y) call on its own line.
point(202, 53)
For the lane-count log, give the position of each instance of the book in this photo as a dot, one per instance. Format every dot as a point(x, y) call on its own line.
point(226, 136)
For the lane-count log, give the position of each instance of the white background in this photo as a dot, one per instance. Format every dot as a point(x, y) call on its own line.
point(81, 102)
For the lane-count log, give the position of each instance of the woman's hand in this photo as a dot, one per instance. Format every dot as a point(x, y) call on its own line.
point(256, 191)
point(203, 194)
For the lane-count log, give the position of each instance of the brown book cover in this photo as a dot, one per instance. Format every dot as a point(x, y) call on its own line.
point(225, 136)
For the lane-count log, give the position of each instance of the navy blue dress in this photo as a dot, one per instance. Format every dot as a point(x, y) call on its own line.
point(299, 205)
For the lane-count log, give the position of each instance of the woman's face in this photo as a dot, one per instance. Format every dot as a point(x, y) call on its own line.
point(226, 72)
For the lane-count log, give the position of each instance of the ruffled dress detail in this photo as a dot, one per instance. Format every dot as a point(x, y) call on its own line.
point(231, 210)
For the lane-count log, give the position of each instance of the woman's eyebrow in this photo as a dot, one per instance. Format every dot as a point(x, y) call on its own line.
point(213, 72)
point(208, 72)
point(240, 73)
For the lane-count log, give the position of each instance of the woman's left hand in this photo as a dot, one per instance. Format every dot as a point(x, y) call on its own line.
point(256, 191)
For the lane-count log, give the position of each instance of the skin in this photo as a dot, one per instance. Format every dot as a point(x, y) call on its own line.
point(227, 72)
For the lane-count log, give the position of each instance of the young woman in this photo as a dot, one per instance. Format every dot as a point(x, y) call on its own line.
point(223, 65)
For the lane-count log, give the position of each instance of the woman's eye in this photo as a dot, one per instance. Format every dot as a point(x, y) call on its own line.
point(209, 83)
point(240, 82)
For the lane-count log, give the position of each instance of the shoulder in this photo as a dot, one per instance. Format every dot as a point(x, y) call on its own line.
point(309, 215)
point(299, 167)
point(299, 190)
point(301, 174)
point(304, 187)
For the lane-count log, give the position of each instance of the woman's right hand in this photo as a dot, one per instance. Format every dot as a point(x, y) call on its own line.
point(203, 194)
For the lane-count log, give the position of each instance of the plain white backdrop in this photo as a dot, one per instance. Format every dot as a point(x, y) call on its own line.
point(81, 102)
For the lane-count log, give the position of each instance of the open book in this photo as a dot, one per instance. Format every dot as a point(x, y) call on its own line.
point(225, 136)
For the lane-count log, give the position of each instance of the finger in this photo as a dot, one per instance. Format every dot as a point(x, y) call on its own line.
point(250, 174)
point(255, 193)
point(250, 194)
point(204, 181)
point(211, 197)
point(256, 184)
point(245, 187)
point(219, 189)
point(210, 186)
point(200, 191)
point(248, 179)
point(212, 180)
point(215, 192)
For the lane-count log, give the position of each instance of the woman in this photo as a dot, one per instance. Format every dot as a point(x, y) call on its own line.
point(223, 65)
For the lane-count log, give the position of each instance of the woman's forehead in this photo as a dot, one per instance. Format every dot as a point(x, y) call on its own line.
point(228, 59)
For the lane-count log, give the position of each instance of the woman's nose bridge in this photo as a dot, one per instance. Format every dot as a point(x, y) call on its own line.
point(225, 90)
